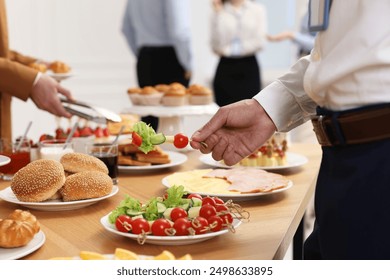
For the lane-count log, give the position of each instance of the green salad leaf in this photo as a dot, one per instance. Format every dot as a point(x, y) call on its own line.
point(174, 196)
point(147, 133)
point(124, 205)
point(149, 210)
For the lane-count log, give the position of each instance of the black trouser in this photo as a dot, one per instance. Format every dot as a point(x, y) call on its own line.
point(159, 65)
point(236, 79)
point(352, 203)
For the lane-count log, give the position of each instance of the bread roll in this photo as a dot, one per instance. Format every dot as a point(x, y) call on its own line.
point(15, 233)
point(25, 216)
point(38, 180)
point(85, 185)
point(18, 229)
point(78, 162)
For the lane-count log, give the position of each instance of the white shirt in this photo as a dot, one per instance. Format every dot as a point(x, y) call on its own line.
point(349, 66)
point(239, 31)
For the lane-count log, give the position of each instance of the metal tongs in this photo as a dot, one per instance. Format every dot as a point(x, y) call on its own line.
point(92, 113)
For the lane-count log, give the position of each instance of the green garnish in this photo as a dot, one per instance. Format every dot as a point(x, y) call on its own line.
point(149, 136)
point(150, 210)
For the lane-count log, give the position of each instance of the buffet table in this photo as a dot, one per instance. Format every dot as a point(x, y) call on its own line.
point(273, 222)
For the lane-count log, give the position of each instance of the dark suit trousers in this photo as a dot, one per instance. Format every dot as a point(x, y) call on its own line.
point(352, 204)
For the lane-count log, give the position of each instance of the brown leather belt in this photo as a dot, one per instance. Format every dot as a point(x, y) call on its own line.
point(355, 127)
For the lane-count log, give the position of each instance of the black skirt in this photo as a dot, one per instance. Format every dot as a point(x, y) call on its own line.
point(236, 79)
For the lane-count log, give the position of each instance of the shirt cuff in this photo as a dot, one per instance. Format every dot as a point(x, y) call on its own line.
point(280, 106)
point(39, 75)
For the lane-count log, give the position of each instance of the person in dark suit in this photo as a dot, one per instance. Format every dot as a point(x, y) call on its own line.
point(159, 35)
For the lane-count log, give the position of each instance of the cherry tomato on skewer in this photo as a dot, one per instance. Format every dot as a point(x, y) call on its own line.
point(180, 141)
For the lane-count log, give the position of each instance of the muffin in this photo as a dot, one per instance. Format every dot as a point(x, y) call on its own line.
point(59, 67)
point(134, 95)
point(150, 96)
point(162, 87)
point(175, 95)
point(199, 95)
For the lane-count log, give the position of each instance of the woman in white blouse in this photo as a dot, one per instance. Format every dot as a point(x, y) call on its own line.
point(238, 32)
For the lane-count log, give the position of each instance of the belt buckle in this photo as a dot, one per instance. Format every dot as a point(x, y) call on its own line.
point(320, 131)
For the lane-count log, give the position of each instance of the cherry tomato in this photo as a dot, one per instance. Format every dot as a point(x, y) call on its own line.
point(46, 137)
point(218, 200)
point(139, 226)
point(123, 223)
point(160, 227)
point(86, 131)
point(180, 141)
point(194, 195)
point(227, 219)
point(106, 132)
point(215, 223)
point(76, 133)
point(208, 200)
point(137, 139)
point(221, 208)
point(206, 211)
point(59, 131)
point(182, 226)
point(98, 132)
point(177, 213)
point(200, 225)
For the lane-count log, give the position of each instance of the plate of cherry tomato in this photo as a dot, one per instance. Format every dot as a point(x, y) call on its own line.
point(166, 240)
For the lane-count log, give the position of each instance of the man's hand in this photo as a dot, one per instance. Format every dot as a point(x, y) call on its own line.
point(234, 132)
point(45, 96)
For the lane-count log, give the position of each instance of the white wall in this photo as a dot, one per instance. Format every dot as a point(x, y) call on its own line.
point(86, 35)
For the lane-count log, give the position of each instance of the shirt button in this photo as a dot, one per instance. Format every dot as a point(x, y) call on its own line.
point(315, 55)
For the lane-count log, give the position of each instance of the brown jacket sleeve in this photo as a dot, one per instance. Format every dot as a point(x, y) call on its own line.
point(18, 57)
point(16, 79)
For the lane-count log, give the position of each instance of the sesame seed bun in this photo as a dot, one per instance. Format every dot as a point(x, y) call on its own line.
point(38, 181)
point(85, 185)
point(78, 162)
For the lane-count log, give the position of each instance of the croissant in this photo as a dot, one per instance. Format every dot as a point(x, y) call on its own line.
point(18, 229)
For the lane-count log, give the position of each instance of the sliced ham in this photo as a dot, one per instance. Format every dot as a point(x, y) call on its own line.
point(250, 180)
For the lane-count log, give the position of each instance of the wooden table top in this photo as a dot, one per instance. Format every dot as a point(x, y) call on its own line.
point(267, 235)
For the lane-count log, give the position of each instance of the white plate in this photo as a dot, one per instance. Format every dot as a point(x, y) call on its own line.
point(176, 159)
point(17, 253)
point(54, 205)
point(293, 160)
point(235, 196)
point(4, 160)
point(60, 76)
point(167, 240)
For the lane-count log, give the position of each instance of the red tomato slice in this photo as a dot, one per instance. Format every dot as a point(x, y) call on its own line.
point(180, 141)
point(137, 139)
